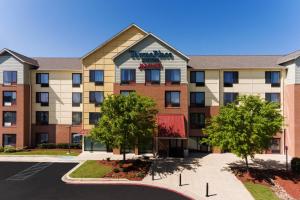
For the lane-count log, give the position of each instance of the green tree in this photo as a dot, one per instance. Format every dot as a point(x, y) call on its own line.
point(245, 127)
point(124, 119)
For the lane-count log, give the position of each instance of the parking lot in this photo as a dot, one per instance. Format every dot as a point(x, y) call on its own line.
point(42, 181)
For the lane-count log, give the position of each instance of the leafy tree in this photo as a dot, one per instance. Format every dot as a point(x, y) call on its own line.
point(245, 127)
point(124, 119)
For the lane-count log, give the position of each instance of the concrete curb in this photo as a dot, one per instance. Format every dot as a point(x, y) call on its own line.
point(108, 181)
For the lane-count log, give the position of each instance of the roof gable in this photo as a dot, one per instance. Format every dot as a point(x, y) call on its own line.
point(112, 38)
point(20, 57)
point(157, 39)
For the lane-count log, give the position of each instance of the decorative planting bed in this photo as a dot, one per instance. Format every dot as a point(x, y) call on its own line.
point(130, 169)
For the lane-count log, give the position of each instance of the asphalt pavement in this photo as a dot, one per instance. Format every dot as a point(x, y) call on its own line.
point(42, 181)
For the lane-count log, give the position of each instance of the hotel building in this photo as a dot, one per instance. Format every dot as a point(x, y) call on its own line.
point(58, 100)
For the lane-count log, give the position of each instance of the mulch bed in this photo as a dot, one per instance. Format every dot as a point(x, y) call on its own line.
point(130, 169)
point(289, 181)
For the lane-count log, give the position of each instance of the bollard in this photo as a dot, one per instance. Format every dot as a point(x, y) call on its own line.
point(207, 190)
point(179, 179)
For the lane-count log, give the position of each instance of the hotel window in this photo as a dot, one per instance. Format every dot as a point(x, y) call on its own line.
point(197, 77)
point(97, 77)
point(96, 98)
point(126, 92)
point(42, 79)
point(230, 78)
point(9, 118)
point(76, 99)
point(273, 78)
point(9, 98)
point(76, 138)
point(42, 117)
point(76, 79)
point(173, 76)
point(76, 118)
point(273, 97)
point(275, 145)
point(127, 76)
point(197, 120)
point(172, 99)
point(94, 118)
point(152, 76)
point(42, 138)
point(9, 139)
point(197, 99)
point(42, 98)
point(9, 77)
point(230, 97)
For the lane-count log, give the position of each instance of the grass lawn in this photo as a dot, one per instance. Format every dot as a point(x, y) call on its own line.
point(260, 192)
point(52, 152)
point(91, 169)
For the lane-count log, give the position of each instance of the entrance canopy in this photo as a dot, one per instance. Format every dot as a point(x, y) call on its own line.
point(171, 126)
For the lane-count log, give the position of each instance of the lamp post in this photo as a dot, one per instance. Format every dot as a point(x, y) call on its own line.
point(286, 158)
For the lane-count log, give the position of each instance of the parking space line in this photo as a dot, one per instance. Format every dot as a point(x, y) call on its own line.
point(34, 169)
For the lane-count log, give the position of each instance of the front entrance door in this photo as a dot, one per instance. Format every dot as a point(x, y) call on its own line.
point(175, 148)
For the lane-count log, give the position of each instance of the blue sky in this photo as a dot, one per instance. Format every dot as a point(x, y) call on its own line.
point(71, 28)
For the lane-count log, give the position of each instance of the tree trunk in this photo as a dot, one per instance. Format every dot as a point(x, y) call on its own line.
point(247, 165)
point(124, 153)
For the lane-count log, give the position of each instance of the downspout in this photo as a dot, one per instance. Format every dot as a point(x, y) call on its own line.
point(30, 108)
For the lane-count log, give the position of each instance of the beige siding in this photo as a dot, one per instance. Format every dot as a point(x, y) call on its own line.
point(102, 60)
point(149, 45)
point(60, 96)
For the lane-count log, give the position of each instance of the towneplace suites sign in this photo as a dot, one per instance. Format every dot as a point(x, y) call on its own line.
point(151, 60)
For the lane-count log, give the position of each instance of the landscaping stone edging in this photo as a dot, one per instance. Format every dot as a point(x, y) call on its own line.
point(69, 180)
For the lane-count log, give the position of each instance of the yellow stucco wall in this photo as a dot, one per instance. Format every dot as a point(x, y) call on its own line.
point(60, 96)
point(101, 59)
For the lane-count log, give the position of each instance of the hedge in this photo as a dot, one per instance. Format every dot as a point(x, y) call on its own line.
point(295, 165)
point(59, 146)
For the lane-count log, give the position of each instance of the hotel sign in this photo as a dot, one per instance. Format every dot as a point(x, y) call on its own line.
point(151, 60)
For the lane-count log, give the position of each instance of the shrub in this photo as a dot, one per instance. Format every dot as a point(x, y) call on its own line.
point(116, 170)
point(295, 165)
point(140, 174)
point(75, 146)
point(63, 146)
point(9, 149)
point(47, 146)
point(1, 149)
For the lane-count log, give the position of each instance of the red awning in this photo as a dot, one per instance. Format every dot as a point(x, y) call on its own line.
point(171, 125)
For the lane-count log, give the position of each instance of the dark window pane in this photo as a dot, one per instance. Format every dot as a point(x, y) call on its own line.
point(76, 118)
point(9, 98)
point(76, 99)
point(42, 138)
point(197, 120)
point(9, 139)
point(76, 80)
point(152, 75)
point(42, 117)
point(43, 79)
point(229, 97)
point(273, 97)
point(273, 78)
point(127, 76)
point(172, 99)
point(42, 98)
point(9, 118)
point(9, 77)
point(97, 76)
point(197, 77)
point(94, 117)
point(173, 76)
point(197, 99)
point(96, 97)
point(126, 92)
point(230, 78)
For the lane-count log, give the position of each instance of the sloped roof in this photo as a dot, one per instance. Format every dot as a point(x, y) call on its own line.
point(289, 57)
point(157, 38)
point(51, 63)
point(107, 41)
point(20, 57)
point(234, 62)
